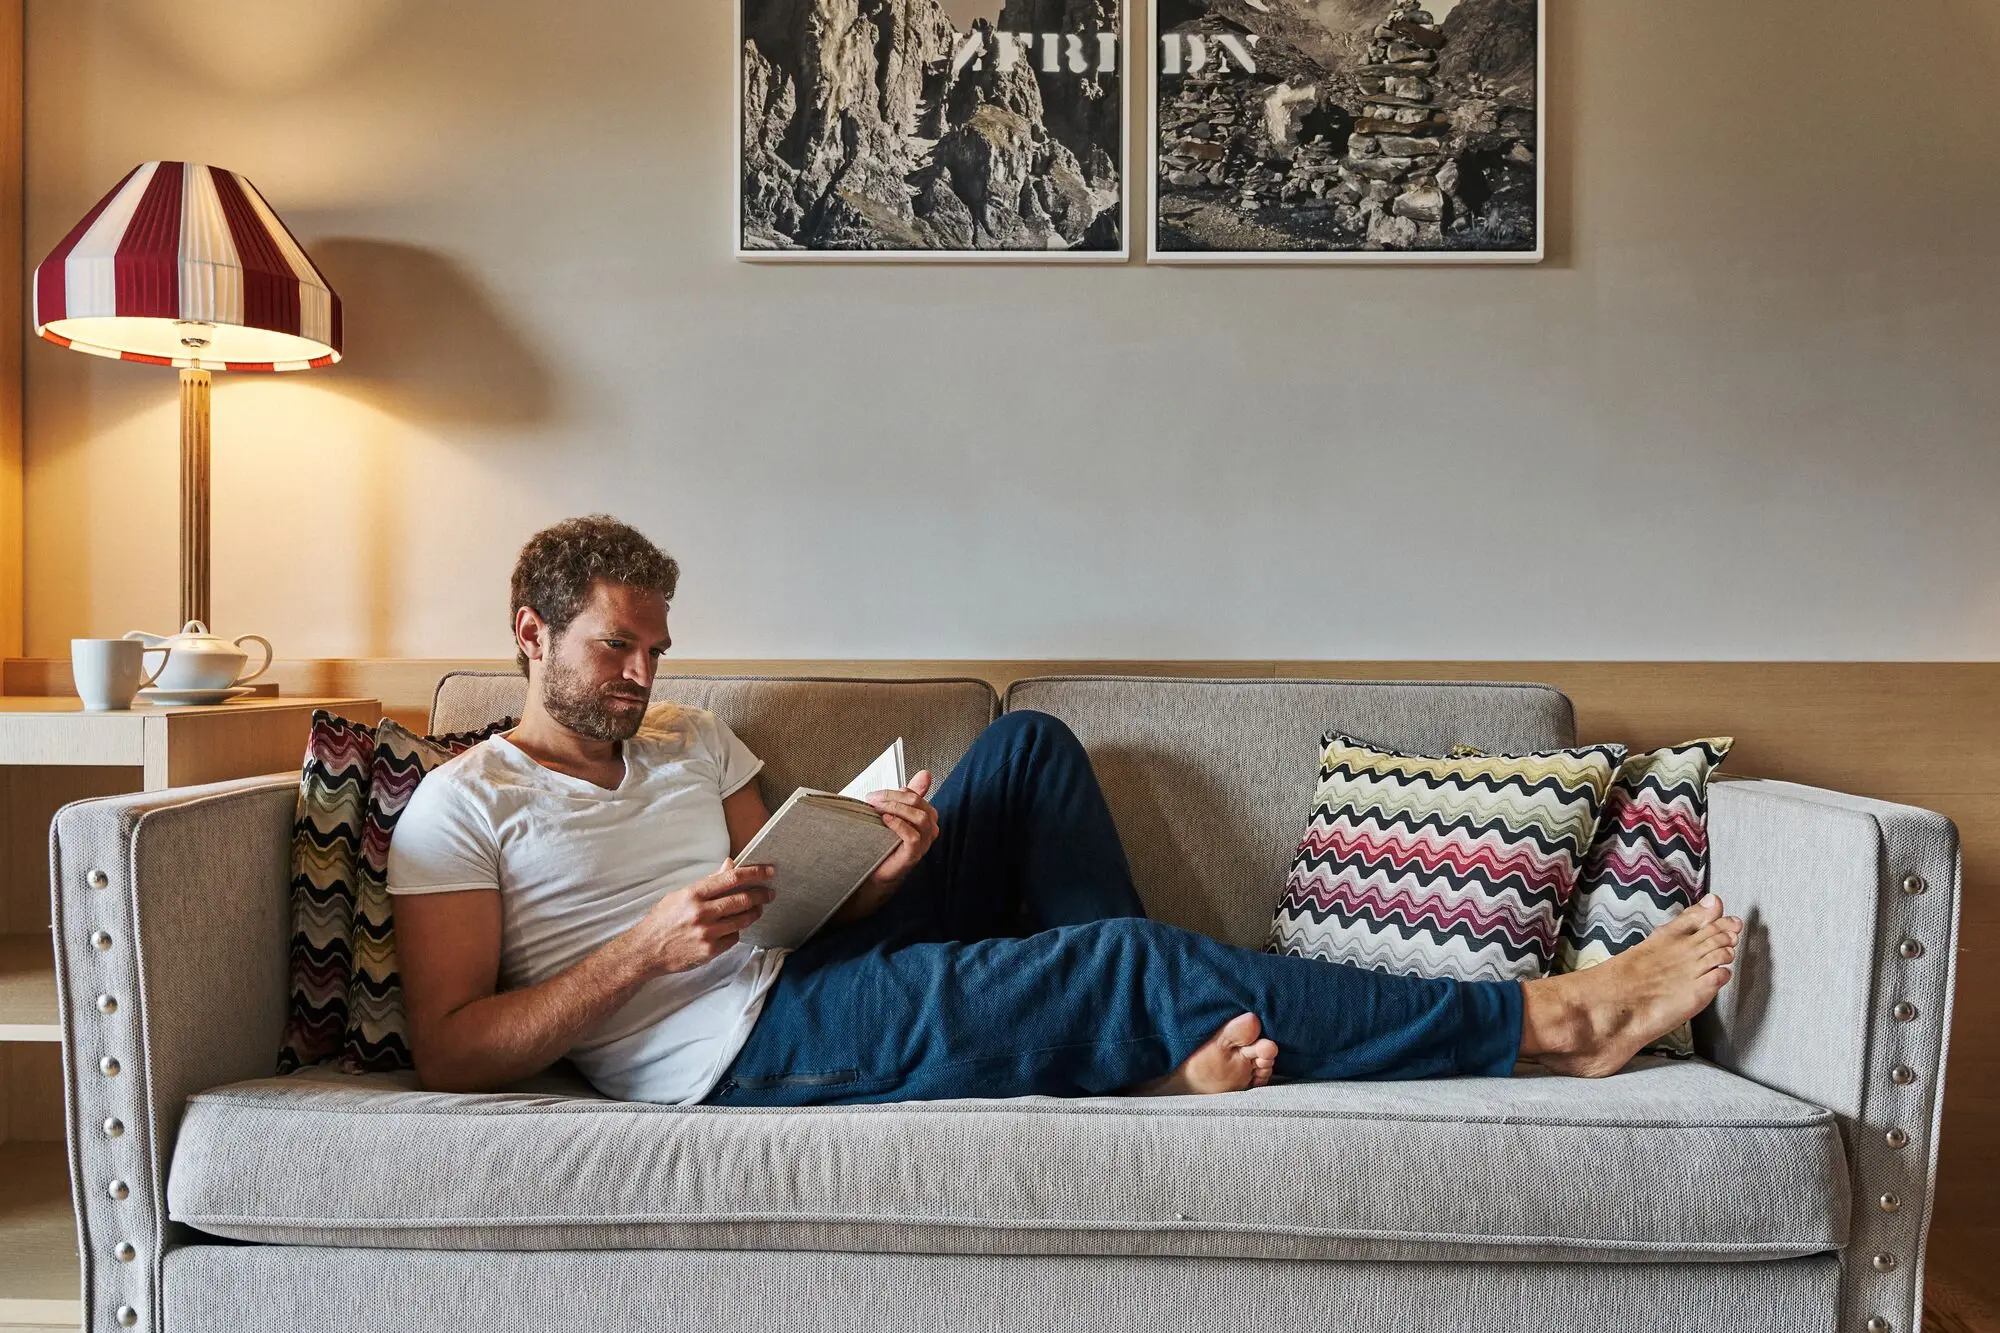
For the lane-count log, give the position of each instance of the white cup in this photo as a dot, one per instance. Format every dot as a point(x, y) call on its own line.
point(109, 672)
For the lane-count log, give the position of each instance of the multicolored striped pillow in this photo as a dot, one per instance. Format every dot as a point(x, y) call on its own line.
point(326, 839)
point(1647, 862)
point(346, 999)
point(1458, 867)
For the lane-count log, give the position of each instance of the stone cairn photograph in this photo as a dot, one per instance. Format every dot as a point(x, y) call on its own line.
point(1347, 128)
point(983, 128)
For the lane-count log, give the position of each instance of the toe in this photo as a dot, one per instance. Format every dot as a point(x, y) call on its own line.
point(1696, 915)
point(1241, 1030)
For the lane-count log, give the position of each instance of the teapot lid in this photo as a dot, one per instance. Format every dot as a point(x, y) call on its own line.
point(194, 631)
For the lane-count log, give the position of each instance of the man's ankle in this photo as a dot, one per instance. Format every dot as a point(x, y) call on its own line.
point(1552, 1021)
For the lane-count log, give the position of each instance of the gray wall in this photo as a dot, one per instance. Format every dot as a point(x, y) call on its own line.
point(1747, 409)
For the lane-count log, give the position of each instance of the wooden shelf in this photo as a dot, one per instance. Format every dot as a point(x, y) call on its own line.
point(28, 989)
point(40, 1273)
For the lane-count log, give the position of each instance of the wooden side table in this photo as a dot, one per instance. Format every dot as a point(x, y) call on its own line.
point(51, 753)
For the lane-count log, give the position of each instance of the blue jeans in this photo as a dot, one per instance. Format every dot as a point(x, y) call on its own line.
point(1016, 958)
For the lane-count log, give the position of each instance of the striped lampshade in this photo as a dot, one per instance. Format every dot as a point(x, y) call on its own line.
point(185, 265)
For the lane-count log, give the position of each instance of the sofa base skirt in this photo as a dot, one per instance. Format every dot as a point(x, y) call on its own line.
point(294, 1289)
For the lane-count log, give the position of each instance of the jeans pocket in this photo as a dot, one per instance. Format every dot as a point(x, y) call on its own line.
point(821, 1080)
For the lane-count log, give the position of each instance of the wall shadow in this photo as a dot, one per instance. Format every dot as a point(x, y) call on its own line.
point(425, 341)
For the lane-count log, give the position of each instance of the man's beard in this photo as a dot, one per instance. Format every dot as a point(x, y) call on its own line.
point(576, 707)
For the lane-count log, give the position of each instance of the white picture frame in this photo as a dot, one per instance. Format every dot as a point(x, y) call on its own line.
point(763, 255)
point(1155, 254)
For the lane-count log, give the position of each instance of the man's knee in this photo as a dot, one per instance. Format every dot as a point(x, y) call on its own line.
point(1029, 729)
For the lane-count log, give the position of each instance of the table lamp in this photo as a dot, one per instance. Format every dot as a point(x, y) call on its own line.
point(186, 265)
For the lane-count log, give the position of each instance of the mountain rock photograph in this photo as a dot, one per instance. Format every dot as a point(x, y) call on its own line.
point(1337, 127)
point(925, 126)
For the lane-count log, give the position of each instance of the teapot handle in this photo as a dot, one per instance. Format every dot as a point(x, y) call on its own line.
point(244, 680)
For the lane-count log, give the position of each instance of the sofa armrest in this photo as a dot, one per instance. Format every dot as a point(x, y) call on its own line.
point(172, 923)
point(1842, 996)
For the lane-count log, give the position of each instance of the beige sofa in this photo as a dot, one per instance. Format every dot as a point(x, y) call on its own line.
point(1780, 1182)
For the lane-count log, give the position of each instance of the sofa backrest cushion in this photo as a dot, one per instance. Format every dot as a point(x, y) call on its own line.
point(1211, 781)
point(808, 732)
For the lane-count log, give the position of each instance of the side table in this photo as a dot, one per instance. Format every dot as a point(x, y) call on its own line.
point(51, 753)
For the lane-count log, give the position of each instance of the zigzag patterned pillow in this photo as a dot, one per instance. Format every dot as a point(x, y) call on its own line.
point(1457, 867)
point(326, 839)
point(1647, 862)
point(347, 1000)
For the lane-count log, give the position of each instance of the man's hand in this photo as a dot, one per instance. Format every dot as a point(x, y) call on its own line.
point(911, 818)
point(915, 821)
point(689, 926)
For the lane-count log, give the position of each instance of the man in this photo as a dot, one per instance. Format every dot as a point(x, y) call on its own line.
point(567, 888)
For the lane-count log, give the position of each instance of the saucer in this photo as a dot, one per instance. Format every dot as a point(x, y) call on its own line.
point(155, 695)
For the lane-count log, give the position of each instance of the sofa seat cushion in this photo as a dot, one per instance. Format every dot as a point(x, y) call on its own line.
point(1670, 1160)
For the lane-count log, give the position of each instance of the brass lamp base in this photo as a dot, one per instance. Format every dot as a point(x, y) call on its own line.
point(194, 497)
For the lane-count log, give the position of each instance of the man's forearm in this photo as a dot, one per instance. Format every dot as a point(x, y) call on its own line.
point(494, 1041)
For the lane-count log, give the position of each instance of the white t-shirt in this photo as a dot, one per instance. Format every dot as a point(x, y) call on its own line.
point(577, 864)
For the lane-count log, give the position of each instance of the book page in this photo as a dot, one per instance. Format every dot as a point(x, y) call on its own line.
point(884, 773)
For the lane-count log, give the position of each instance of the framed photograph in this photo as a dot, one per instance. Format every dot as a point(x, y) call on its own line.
point(1349, 131)
point(932, 130)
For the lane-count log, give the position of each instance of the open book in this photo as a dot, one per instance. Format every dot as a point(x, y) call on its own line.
point(823, 844)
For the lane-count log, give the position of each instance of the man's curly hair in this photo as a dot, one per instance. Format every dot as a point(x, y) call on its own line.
point(557, 566)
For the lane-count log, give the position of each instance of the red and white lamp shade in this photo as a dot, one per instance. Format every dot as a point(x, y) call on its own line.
point(186, 265)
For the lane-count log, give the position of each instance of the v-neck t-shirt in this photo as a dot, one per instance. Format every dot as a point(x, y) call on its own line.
point(577, 864)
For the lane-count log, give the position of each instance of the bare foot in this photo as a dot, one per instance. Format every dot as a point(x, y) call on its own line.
point(1591, 1023)
point(1230, 1061)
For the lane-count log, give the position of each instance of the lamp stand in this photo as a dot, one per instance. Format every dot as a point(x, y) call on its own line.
point(194, 496)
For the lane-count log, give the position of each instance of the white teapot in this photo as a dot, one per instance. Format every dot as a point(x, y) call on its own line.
point(199, 660)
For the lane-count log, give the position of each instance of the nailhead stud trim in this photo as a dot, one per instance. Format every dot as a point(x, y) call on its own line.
point(100, 940)
point(109, 1067)
point(118, 1189)
point(98, 879)
point(107, 1005)
point(124, 1252)
point(127, 1315)
point(1902, 1076)
point(113, 1127)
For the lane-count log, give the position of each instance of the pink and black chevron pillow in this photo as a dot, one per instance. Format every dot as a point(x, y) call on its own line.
point(1648, 861)
point(346, 999)
point(1459, 867)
